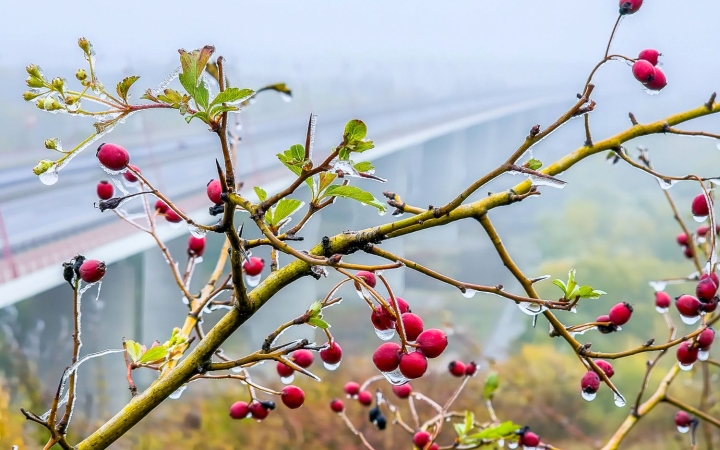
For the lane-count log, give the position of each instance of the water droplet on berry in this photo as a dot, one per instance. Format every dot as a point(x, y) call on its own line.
point(253, 280)
point(287, 380)
point(685, 367)
point(588, 395)
point(196, 231)
point(331, 367)
point(699, 218)
point(658, 285)
point(683, 430)
point(176, 395)
point(703, 355)
point(175, 225)
point(619, 400)
point(395, 377)
point(512, 445)
point(690, 320)
point(650, 91)
point(469, 293)
point(385, 335)
point(531, 309)
point(49, 177)
point(661, 310)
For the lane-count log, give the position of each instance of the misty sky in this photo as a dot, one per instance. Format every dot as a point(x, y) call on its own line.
point(528, 32)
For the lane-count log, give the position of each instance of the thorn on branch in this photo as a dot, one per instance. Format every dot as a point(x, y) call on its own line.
point(649, 342)
point(534, 131)
point(711, 102)
point(633, 120)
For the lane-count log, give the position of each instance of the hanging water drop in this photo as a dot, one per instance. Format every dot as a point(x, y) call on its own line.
point(331, 367)
point(176, 395)
point(619, 400)
point(703, 355)
point(699, 218)
point(650, 91)
point(175, 225)
point(287, 98)
point(661, 310)
point(196, 231)
point(690, 320)
point(50, 176)
point(685, 367)
point(287, 380)
point(501, 443)
point(513, 445)
point(253, 280)
point(531, 309)
point(396, 378)
point(665, 184)
point(236, 369)
point(385, 335)
point(683, 430)
point(658, 285)
point(589, 396)
point(469, 293)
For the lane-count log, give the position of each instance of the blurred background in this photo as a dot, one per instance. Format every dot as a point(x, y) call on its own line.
point(447, 91)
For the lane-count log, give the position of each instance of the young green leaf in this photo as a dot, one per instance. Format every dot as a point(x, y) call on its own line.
point(298, 152)
point(155, 354)
point(469, 422)
point(231, 95)
point(319, 323)
point(355, 130)
point(354, 193)
point(491, 384)
point(285, 208)
point(260, 192)
point(561, 284)
point(202, 115)
point(134, 350)
point(571, 283)
point(202, 96)
point(124, 86)
point(502, 430)
point(315, 308)
point(326, 179)
point(364, 166)
point(460, 430)
point(533, 164)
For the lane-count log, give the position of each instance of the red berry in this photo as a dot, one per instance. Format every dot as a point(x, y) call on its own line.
point(331, 355)
point(292, 396)
point(365, 398)
point(104, 190)
point(683, 419)
point(352, 388)
point(432, 342)
point(380, 319)
point(682, 239)
point(713, 276)
point(434, 446)
point(650, 56)
point(706, 289)
point(421, 438)
point(402, 391)
point(113, 156)
point(258, 411)
point(643, 71)
point(457, 368)
point(470, 369)
point(702, 230)
point(688, 251)
point(686, 353)
point(196, 245)
point(688, 306)
point(239, 410)
point(705, 338)
point(630, 6)
point(413, 325)
point(303, 358)
point(620, 314)
point(387, 357)
point(606, 367)
point(161, 206)
point(590, 382)
point(605, 329)
point(662, 300)
point(214, 189)
point(337, 405)
point(658, 80)
point(253, 266)
point(413, 365)
point(129, 176)
point(284, 370)
point(710, 306)
point(367, 277)
point(172, 216)
point(529, 439)
point(403, 306)
point(92, 270)
point(700, 207)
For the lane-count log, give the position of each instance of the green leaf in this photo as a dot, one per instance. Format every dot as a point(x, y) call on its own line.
point(315, 308)
point(318, 322)
point(363, 146)
point(193, 65)
point(298, 152)
point(202, 96)
point(598, 293)
point(499, 431)
point(219, 109)
point(459, 429)
point(326, 179)
point(561, 284)
point(171, 96)
point(262, 195)
point(584, 291)
point(231, 95)
point(469, 421)
point(364, 166)
point(354, 193)
point(533, 164)
point(154, 354)
point(491, 384)
point(355, 130)
point(571, 283)
point(134, 350)
point(124, 86)
point(285, 208)
point(202, 115)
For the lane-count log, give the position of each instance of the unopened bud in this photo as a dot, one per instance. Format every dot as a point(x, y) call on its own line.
point(70, 100)
point(33, 71)
point(29, 95)
point(80, 74)
point(51, 144)
point(51, 104)
point(34, 82)
point(40, 104)
point(43, 166)
point(84, 44)
point(58, 83)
